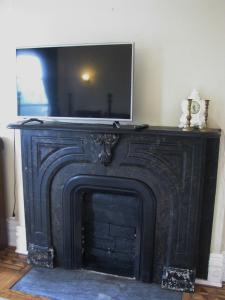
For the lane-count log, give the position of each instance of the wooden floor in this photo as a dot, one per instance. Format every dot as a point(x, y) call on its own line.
point(14, 266)
point(206, 293)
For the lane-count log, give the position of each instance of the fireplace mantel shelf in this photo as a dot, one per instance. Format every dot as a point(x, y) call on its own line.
point(153, 130)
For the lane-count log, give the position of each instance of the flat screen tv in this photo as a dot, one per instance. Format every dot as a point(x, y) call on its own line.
point(78, 81)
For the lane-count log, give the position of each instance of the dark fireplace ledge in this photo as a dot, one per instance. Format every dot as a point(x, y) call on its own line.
point(104, 128)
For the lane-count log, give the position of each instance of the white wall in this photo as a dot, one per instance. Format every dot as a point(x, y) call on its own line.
point(179, 45)
point(7, 96)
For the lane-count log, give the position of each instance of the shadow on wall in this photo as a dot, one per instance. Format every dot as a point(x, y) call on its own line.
point(3, 229)
point(219, 215)
point(147, 86)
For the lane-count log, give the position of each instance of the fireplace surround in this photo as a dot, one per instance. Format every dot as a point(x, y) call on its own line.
point(134, 203)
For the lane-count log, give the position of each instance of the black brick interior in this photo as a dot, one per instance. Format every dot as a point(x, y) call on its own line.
point(110, 222)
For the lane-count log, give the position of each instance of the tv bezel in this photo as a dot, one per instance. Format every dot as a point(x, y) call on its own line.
point(84, 119)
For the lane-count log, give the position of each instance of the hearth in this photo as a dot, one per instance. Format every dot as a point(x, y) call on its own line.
point(120, 201)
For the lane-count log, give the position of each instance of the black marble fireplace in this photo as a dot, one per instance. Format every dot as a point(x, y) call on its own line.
point(120, 201)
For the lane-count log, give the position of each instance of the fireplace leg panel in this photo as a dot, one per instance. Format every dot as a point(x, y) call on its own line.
point(178, 279)
point(40, 256)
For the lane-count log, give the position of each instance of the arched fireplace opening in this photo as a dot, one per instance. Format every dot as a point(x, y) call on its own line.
point(108, 226)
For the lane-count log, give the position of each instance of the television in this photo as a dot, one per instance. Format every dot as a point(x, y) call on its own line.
point(92, 82)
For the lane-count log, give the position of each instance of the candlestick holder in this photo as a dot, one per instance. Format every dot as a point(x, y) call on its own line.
point(205, 128)
point(188, 117)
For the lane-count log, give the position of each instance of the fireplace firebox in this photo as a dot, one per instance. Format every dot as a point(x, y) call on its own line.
point(119, 201)
point(109, 233)
point(108, 225)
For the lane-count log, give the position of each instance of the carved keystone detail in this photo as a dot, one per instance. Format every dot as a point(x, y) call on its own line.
point(106, 141)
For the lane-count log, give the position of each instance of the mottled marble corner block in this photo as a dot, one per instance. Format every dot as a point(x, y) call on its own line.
point(178, 279)
point(40, 256)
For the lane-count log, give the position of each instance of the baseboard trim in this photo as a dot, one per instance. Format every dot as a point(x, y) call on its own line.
point(207, 283)
point(21, 244)
point(223, 276)
point(216, 271)
point(11, 231)
point(16, 236)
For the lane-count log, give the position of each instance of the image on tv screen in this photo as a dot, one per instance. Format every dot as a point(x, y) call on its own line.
point(92, 81)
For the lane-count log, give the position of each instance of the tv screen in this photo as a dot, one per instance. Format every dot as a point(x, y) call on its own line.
point(88, 81)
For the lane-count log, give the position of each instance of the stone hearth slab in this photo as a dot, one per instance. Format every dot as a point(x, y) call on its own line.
point(60, 284)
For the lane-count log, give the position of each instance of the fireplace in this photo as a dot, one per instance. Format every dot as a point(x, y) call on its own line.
point(120, 201)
